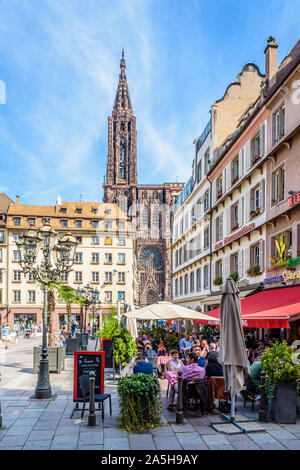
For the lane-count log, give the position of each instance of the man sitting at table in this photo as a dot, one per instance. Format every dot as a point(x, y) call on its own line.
point(190, 371)
point(141, 366)
point(174, 363)
point(201, 356)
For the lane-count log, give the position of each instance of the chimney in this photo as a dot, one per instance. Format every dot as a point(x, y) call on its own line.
point(271, 58)
point(17, 199)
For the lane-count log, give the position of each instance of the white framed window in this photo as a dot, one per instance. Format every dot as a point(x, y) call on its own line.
point(78, 223)
point(108, 258)
point(108, 225)
point(108, 277)
point(1, 236)
point(206, 277)
point(17, 295)
point(121, 278)
point(278, 124)
point(206, 238)
point(78, 257)
point(16, 255)
point(95, 257)
point(95, 240)
point(32, 222)
point(17, 221)
point(278, 184)
point(31, 296)
point(95, 223)
point(30, 277)
point(198, 280)
point(206, 201)
point(64, 223)
point(17, 276)
point(121, 258)
point(192, 282)
point(108, 297)
point(122, 225)
point(95, 276)
point(64, 277)
point(78, 276)
point(121, 241)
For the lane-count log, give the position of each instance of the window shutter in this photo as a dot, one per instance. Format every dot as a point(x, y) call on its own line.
point(262, 139)
point(262, 255)
point(228, 220)
point(214, 230)
point(226, 267)
point(247, 260)
point(262, 195)
point(247, 155)
point(214, 193)
point(247, 206)
point(241, 163)
point(240, 264)
point(240, 213)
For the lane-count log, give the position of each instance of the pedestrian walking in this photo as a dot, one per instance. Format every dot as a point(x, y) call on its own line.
point(6, 335)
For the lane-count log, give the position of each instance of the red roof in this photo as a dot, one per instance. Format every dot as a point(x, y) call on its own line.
point(272, 308)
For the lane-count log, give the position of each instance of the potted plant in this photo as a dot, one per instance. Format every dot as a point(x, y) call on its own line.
point(282, 376)
point(218, 281)
point(254, 271)
point(235, 276)
point(140, 403)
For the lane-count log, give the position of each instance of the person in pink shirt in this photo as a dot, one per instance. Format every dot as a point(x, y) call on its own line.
point(190, 371)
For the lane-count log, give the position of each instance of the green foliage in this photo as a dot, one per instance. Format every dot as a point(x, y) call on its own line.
point(235, 276)
point(136, 393)
point(254, 271)
point(124, 346)
point(161, 333)
point(279, 366)
point(218, 281)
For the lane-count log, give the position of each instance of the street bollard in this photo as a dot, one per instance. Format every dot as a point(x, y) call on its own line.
point(262, 415)
point(92, 415)
point(179, 410)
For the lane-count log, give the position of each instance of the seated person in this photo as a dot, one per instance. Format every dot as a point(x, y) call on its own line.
point(204, 347)
point(182, 342)
point(174, 363)
point(149, 351)
point(190, 342)
point(201, 357)
point(161, 351)
point(141, 366)
point(213, 368)
point(190, 371)
point(212, 349)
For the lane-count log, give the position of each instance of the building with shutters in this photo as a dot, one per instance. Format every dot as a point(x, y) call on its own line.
point(194, 221)
point(105, 258)
point(248, 197)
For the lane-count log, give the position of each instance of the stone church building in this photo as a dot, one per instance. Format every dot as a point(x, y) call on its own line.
point(150, 207)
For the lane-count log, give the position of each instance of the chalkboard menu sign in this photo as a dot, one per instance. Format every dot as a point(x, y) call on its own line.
point(84, 363)
point(107, 348)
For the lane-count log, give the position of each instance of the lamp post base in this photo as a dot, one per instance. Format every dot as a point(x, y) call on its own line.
point(43, 388)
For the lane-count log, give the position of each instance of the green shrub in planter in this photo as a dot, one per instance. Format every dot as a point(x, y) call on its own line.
point(218, 281)
point(235, 276)
point(140, 403)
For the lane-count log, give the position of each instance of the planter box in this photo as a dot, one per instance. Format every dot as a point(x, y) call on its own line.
point(283, 407)
point(56, 358)
point(72, 345)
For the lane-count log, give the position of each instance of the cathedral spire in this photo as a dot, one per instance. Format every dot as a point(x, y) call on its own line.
point(122, 100)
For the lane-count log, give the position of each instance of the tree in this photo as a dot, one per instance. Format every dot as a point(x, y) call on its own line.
point(68, 295)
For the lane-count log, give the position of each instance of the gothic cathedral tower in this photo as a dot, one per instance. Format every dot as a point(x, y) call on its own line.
point(121, 176)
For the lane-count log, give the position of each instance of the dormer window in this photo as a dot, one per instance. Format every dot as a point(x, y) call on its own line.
point(63, 210)
point(17, 221)
point(78, 223)
point(95, 211)
point(79, 211)
point(31, 222)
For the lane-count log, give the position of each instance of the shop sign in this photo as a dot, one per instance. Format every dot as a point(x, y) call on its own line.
point(294, 199)
point(286, 276)
point(236, 235)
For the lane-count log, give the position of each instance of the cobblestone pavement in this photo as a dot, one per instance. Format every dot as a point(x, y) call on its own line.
point(46, 424)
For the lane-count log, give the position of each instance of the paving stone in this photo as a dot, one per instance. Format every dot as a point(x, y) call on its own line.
point(199, 421)
point(37, 445)
point(271, 426)
point(90, 447)
point(283, 434)
point(191, 440)
point(32, 413)
point(17, 430)
point(272, 446)
point(10, 448)
point(205, 430)
point(187, 427)
point(223, 447)
point(91, 438)
point(163, 431)
point(114, 432)
point(46, 424)
point(291, 444)
point(41, 435)
point(40, 405)
point(141, 441)
point(118, 443)
point(292, 427)
point(167, 443)
point(67, 442)
point(12, 441)
point(262, 438)
point(94, 429)
point(215, 440)
point(63, 430)
point(242, 442)
point(27, 421)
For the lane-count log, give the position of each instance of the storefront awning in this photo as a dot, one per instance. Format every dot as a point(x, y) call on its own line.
point(270, 308)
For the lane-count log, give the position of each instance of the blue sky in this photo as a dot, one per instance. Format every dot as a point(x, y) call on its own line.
point(59, 60)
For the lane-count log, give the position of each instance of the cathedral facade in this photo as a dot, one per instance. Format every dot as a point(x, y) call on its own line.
point(150, 207)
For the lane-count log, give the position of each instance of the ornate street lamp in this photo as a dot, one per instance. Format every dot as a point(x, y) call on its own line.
point(49, 269)
point(90, 295)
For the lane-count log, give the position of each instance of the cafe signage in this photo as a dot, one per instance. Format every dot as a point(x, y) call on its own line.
point(286, 276)
point(236, 235)
point(294, 199)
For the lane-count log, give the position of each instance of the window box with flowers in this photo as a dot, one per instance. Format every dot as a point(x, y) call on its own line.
point(235, 276)
point(235, 226)
point(255, 158)
point(234, 179)
point(219, 194)
point(274, 202)
point(254, 271)
point(218, 281)
point(254, 213)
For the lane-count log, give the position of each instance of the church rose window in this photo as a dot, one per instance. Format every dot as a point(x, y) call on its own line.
point(148, 254)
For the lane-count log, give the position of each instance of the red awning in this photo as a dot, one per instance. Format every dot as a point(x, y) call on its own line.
point(272, 308)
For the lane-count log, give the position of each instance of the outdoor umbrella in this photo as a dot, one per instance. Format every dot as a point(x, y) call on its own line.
point(233, 355)
point(167, 311)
